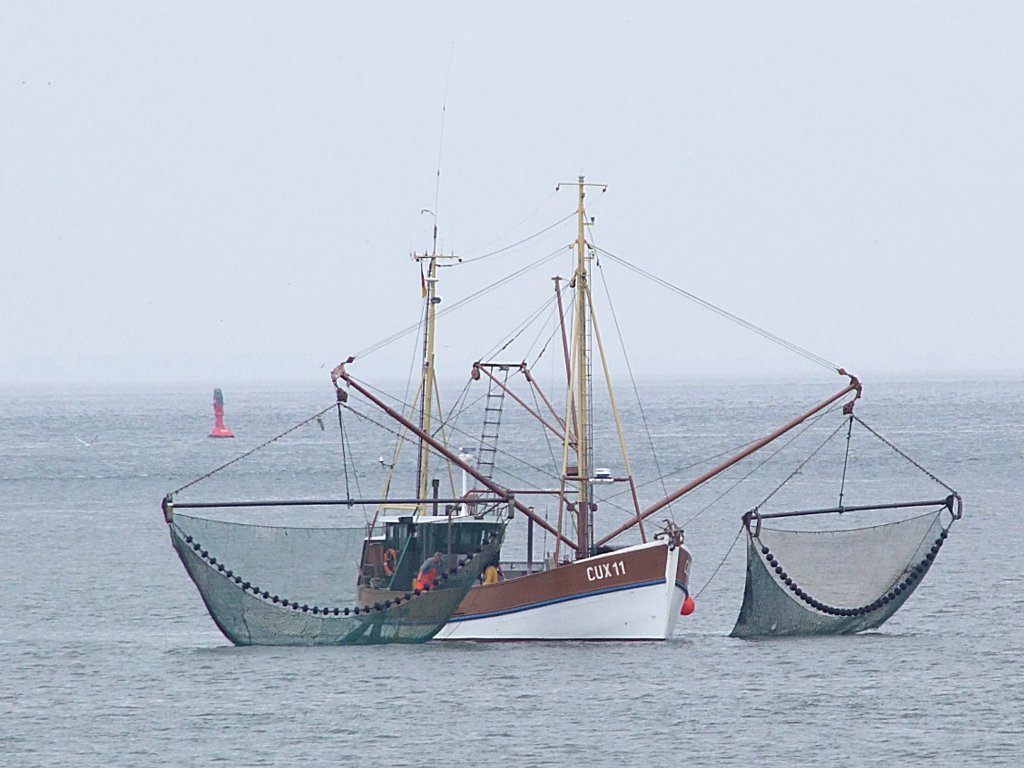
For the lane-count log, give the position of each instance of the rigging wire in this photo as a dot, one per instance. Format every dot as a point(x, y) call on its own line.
point(459, 405)
point(516, 244)
point(803, 463)
point(544, 348)
point(455, 429)
point(846, 460)
point(632, 379)
point(547, 435)
point(344, 457)
point(519, 330)
point(901, 453)
point(346, 451)
point(250, 452)
point(460, 303)
point(774, 338)
point(407, 438)
point(760, 466)
point(540, 332)
point(720, 564)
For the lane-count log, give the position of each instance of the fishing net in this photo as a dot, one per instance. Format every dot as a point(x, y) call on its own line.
point(277, 585)
point(829, 582)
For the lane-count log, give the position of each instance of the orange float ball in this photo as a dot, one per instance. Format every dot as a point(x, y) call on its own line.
point(688, 606)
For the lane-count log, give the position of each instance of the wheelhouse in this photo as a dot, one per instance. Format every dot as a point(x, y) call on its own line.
point(392, 560)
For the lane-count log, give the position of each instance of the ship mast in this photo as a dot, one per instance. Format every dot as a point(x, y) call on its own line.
point(428, 379)
point(580, 384)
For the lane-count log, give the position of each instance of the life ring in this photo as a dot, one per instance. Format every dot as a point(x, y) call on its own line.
point(390, 561)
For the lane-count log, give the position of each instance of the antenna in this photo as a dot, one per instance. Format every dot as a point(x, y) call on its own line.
point(440, 143)
point(428, 380)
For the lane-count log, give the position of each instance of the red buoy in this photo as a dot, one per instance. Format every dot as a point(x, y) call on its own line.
point(688, 606)
point(219, 430)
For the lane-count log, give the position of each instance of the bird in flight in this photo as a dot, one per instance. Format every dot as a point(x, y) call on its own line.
point(87, 444)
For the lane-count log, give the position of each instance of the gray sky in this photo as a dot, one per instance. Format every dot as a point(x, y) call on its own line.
point(230, 191)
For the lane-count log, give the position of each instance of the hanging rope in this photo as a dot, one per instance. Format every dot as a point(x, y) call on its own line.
point(846, 460)
point(802, 464)
point(720, 564)
point(344, 457)
point(346, 450)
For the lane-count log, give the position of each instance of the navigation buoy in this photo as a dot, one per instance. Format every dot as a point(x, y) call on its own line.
point(219, 430)
point(688, 606)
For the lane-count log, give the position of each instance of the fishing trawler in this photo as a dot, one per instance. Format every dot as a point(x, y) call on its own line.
point(629, 583)
point(439, 565)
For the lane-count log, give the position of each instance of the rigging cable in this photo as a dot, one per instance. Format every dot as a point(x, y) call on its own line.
point(516, 244)
point(632, 379)
point(805, 353)
point(540, 332)
point(344, 457)
point(547, 435)
point(742, 527)
point(720, 564)
point(757, 468)
point(520, 329)
point(803, 463)
point(460, 303)
point(248, 453)
point(455, 430)
point(346, 450)
point(901, 453)
point(846, 460)
point(544, 348)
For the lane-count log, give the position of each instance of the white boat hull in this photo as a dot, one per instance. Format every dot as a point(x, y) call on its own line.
point(631, 594)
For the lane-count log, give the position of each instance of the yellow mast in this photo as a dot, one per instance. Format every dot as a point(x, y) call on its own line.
point(428, 379)
point(580, 384)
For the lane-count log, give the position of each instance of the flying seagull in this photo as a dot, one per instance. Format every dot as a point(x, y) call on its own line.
point(87, 444)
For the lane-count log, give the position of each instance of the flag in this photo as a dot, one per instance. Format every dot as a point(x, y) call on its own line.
point(423, 281)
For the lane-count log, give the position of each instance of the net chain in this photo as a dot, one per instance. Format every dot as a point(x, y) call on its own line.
point(914, 574)
point(305, 608)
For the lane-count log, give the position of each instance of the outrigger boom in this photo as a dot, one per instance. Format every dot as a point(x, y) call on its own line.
point(853, 386)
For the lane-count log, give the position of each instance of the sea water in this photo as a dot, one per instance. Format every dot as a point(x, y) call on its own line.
point(109, 658)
